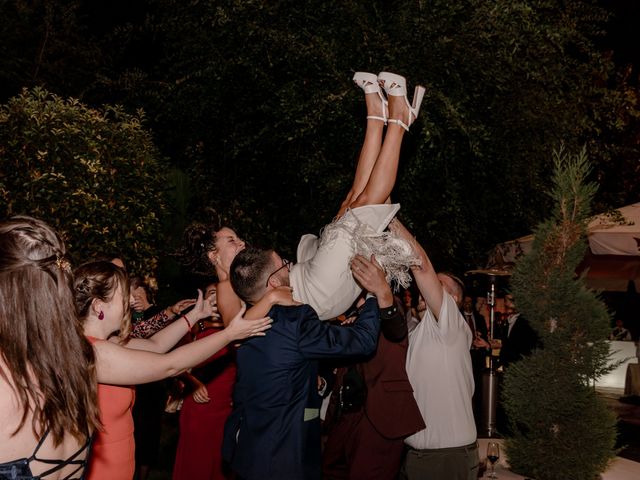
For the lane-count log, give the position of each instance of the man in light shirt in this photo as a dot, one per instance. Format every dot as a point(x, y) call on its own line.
point(440, 372)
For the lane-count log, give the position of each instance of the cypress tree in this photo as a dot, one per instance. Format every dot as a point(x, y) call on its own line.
point(559, 427)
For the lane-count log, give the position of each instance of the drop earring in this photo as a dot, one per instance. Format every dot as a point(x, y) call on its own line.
point(101, 315)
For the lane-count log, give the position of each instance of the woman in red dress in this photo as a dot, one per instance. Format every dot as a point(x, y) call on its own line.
point(204, 412)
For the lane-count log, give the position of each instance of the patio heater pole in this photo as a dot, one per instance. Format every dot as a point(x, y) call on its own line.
point(489, 394)
point(491, 301)
point(489, 378)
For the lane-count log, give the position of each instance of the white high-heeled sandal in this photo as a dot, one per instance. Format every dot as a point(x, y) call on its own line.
point(369, 83)
point(396, 85)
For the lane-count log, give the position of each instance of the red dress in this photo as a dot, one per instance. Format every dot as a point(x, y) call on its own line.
point(198, 455)
point(113, 449)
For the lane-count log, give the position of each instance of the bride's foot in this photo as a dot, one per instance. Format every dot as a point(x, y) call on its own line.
point(401, 112)
point(377, 108)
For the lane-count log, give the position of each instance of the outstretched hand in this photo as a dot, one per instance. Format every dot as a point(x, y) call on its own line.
point(240, 328)
point(179, 306)
point(202, 309)
point(369, 275)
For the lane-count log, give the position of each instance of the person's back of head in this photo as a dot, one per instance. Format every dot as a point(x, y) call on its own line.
point(115, 257)
point(249, 272)
point(453, 285)
point(41, 339)
point(99, 281)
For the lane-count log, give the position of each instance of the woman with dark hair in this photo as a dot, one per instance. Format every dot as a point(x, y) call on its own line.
point(206, 246)
point(102, 300)
point(48, 403)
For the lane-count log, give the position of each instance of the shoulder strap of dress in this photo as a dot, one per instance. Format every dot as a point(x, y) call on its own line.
point(40, 442)
point(59, 464)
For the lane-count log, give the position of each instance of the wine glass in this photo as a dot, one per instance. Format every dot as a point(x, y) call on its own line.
point(493, 454)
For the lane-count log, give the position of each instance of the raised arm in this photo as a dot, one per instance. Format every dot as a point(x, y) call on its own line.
point(317, 339)
point(119, 365)
point(282, 295)
point(166, 338)
point(231, 303)
point(424, 274)
point(147, 327)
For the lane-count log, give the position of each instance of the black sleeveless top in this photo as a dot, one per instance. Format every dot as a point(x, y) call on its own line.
point(20, 470)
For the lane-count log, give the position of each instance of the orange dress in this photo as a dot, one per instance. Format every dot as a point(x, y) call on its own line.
point(113, 450)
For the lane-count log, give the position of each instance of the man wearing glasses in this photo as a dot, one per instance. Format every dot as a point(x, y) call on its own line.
point(274, 429)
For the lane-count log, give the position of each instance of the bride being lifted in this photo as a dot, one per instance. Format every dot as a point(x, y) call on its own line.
point(322, 277)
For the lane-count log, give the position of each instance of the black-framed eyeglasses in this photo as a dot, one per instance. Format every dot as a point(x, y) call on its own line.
point(285, 264)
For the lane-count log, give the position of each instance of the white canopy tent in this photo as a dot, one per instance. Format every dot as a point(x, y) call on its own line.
point(613, 258)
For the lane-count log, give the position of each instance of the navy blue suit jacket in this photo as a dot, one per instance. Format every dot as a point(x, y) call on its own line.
point(274, 429)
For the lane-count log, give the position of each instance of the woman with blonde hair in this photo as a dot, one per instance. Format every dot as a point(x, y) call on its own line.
point(48, 403)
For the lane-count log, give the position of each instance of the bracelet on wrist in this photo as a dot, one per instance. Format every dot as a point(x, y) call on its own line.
point(184, 317)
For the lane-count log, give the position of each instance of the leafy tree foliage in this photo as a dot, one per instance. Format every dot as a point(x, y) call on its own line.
point(546, 392)
point(94, 175)
point(46, 43)
point(253, 100)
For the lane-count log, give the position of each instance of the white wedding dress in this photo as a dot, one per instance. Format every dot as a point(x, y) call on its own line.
point(322, 277)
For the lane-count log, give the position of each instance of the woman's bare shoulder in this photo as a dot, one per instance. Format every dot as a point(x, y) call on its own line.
point(229, 303)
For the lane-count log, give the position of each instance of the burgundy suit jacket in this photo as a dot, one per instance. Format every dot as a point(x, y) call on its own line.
point(390, 404)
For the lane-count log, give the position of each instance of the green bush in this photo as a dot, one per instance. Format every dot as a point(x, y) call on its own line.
point(95, 175)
